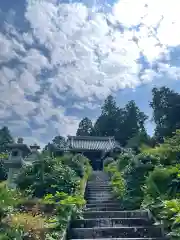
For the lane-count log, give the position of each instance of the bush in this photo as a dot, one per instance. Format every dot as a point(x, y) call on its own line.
point(171, 217)
point(118, 185)
point(124, 160)
point(159, 182)
point(78, 163)
point(3, 172)
point(107, 161)
point(9, 199)
point(47, 176)
point(66, 206)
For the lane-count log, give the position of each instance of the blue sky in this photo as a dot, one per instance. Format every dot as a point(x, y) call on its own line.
point(60, 59)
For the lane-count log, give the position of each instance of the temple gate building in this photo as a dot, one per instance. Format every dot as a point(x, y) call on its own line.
point(94, 148)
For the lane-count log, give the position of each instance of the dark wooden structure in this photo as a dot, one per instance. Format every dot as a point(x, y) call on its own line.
point(94, 148)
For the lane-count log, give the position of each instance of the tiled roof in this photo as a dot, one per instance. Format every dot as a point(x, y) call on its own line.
point(92, 143)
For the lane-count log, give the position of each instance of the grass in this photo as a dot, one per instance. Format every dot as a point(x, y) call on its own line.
point(35, 226)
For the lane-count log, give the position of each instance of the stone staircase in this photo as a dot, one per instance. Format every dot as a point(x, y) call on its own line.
point(104, 218)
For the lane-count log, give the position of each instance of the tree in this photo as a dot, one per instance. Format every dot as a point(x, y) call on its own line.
point(85, 127)
point(5, 139)
point(59, 141)
point(134, 119)
point(130, 123)
point(141, 138)
point(122, 123)
point(166, 112)
point(107, 122)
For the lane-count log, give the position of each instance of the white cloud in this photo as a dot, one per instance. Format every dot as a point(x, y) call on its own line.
point(86, 56)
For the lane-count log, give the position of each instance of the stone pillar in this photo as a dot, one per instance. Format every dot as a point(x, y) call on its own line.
point(17, 152)
point(14, 163)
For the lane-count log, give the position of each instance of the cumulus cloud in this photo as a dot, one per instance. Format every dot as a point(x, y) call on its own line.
point(71, 50)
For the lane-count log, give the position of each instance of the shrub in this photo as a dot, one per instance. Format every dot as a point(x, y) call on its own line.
point(171, 217)
point(124, 160)
point(158, 183)
point(3, 172)
point(135, 174)
point(9, 199)
point(119, 185)
point(66, 206)
point(47, 176)
point(78, 163)
point(107, 161)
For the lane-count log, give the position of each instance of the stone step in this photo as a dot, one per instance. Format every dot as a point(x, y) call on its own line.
point(161, 238)
point(101, 192)
point(115, 214)
point(104, 203)
point(100, 204)
point(115, 232)
point(99, 178)
point(97, 195)
point(90, 189)
point(105, 208)
point(98, 185)
point(111, 222)
point(104, 183)
point(102, 200)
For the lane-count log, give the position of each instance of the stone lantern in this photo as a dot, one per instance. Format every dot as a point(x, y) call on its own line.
point(17, 152)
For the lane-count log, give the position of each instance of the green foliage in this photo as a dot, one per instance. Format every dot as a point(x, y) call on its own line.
point(166, 107)
point(85, 127)
point(118, 185)
point(123, 161)
point(171, 216)
point(135, 174)
point(8, 199)
point(47, 176)
point(137, 141)
point(78, 163)
point(123, 123)
point(3, 172)
point(11, 233)
point(57, 142)
point(5, 139)
point(159, 182)
point(107, 161)
point(168, 152)
point(117, 181)
point(66, 206)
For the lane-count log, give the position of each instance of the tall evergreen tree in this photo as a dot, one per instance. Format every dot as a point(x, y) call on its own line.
point(166, 112)
point(5, 139)
point(131, 123)
point(123, 123)
point(85, 127)
point(107, 121)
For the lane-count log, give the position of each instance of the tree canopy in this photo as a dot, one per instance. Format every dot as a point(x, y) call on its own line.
point(85, 127)
point(123, 123)
point(166, 112)
point(5, 139)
